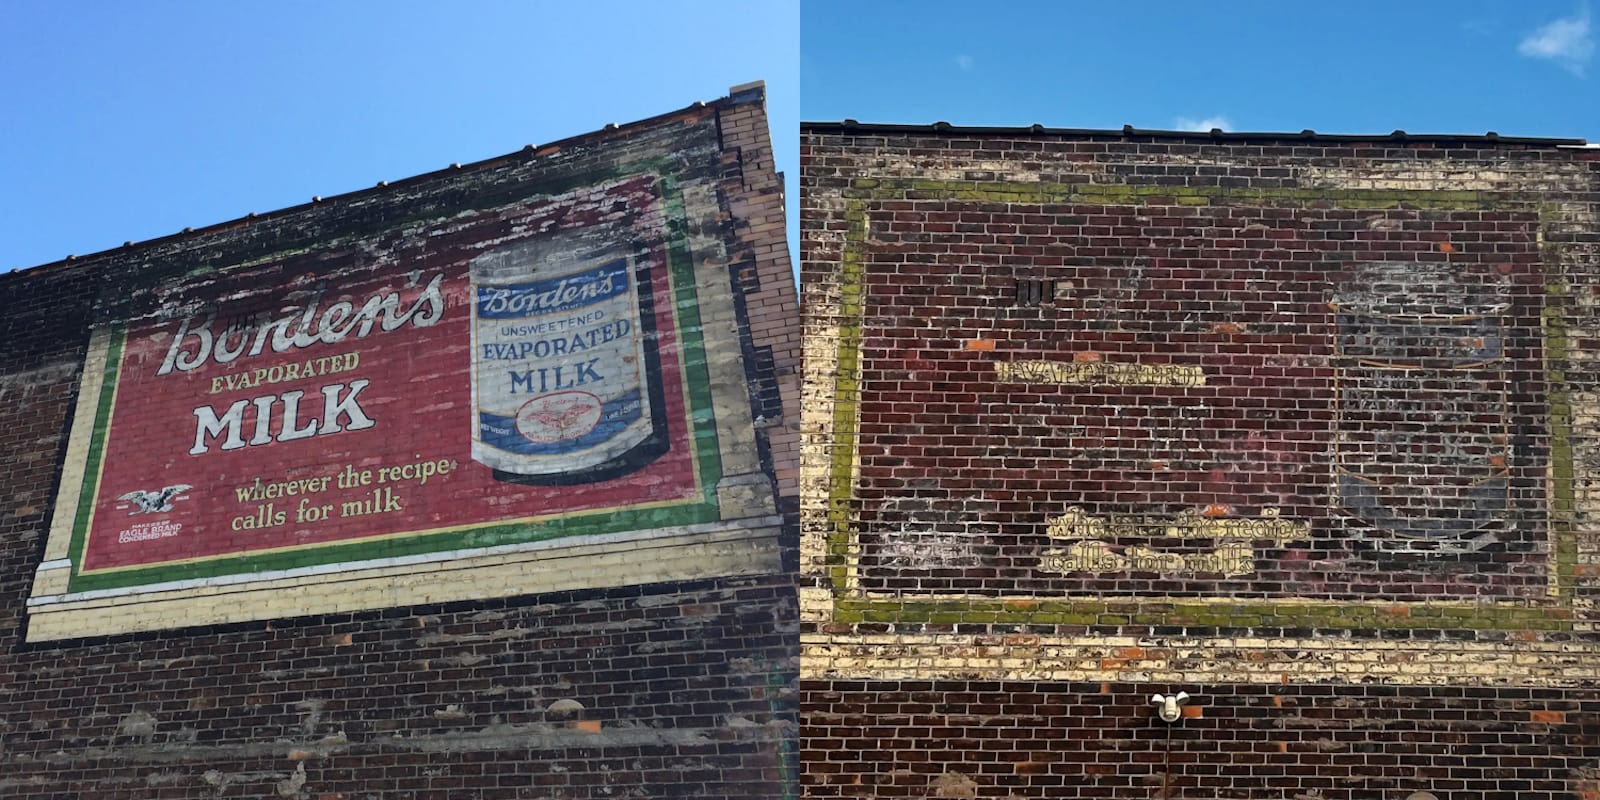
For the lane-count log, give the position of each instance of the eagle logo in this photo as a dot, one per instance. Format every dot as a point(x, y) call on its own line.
point(144, 502)
point(559, 417)
point(561, 420)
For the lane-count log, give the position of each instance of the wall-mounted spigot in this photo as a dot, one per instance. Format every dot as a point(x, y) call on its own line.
point(1167, 706)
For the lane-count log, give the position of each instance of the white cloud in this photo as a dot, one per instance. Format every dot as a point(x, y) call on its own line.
point(1204, 125)
point(1567, 41)
point(964, 61)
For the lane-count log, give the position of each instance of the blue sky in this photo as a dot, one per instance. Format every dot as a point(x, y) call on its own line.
point(131, 121)
point(1357, 66)
point(128, 121)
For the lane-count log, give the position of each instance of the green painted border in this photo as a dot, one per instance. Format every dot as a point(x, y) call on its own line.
point(850, 607)
point(702, 437)
point(91, 467)
point(1556, 347)
point(846, 395)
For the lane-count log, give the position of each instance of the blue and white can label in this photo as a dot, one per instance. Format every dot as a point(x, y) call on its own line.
point(560, 379)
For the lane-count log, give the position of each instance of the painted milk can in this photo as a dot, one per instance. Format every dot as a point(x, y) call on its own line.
point(565, 383)
point(1422, 419)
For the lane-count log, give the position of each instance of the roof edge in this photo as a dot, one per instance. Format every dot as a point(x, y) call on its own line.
point(753, 92)
point(1214, 135)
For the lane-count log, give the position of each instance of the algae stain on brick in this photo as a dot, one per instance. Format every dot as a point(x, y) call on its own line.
point(139, 725)
point(291, 786)
point(954, 786)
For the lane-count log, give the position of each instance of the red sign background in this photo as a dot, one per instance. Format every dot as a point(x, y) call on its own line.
point(418, 396)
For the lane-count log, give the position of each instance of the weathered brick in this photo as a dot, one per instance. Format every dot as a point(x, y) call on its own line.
point(1301, 425)
point(605, 661)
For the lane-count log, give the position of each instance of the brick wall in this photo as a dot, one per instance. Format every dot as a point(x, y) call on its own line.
point(970, 739)
point(575, 655)
point(1298, 425)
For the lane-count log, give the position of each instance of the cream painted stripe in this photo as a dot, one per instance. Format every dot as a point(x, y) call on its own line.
point(816, 603)
point(436, 583)
point(820, 347)
point(551, 548)
point(1197, 660)
point(816, 443)
point(1160, 599)
point(91, 380)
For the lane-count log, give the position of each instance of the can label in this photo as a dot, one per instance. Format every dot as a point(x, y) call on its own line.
point(1420, 446)
point(560, 385)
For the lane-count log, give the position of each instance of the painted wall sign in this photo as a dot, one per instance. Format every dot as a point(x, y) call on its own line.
point(1384, 392)
point(1423, 433)
point(1121, 542)
point(1068, 373)
point(566, 365)
point(514, 378)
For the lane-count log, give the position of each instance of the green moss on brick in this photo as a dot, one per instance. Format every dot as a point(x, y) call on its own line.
point(846, 395)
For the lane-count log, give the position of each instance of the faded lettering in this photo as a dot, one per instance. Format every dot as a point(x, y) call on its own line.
point(1093, 372)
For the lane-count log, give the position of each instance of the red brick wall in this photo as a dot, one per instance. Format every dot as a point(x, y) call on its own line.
point(962, 739)
point(1302, 426)
point(1241, 295)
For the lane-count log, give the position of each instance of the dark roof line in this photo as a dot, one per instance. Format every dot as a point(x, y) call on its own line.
point(754, 91)
point(1215, 134)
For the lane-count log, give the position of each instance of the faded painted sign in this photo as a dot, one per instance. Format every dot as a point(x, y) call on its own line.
point(566, 375)
point(1122, 542)
point(1091, 372)
point(513, 378)
point(1423, 425)
point(280, 425)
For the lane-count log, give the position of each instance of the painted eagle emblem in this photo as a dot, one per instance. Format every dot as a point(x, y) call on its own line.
point(561, 419)
point(144, 502)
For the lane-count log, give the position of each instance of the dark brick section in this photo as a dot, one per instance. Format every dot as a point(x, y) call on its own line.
point(959, 739)
point(688, 685)
point(681, 690)
point(1239, 294)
